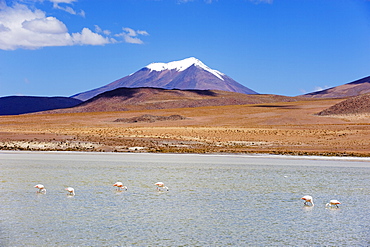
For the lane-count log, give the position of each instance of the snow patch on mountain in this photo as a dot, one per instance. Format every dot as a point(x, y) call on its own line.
point(183, 65)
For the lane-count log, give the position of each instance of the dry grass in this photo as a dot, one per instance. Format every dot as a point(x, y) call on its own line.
point(287, 127)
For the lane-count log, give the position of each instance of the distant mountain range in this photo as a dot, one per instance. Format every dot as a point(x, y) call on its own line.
point(14, 105)
point(355, 88)
point(178, 84)
point(185, 74)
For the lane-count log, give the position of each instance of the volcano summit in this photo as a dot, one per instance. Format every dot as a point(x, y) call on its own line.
point(187, 74)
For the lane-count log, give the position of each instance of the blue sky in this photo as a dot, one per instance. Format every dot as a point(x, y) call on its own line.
point(286, 47)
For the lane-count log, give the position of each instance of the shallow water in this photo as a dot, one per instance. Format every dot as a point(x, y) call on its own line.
point(212, 200)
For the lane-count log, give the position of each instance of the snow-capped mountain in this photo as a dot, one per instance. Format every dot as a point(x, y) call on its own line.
point(183, 65)
point(189, 73)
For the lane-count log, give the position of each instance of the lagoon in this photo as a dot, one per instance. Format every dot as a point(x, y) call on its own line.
point(213, 200)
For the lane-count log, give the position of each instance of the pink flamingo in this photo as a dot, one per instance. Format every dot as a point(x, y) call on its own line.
point(308, 199)
point(41, 188)
point(120, 186)
point(333, 203)
point(161, 187)
point(70, 190)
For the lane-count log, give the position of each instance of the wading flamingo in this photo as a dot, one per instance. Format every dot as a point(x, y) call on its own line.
point(70, 190)
point(161, 187)
point(41, 188)
point(333, 203)
point(308, 199)
point(120, 186)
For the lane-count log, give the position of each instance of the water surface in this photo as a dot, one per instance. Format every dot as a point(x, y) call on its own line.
point(214, 200)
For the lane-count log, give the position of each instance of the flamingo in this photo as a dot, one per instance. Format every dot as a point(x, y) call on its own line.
point(41, 188)
point(308, 199)
point(120, 186)
point(333, 203)
point(70, 190)
point(161, 187)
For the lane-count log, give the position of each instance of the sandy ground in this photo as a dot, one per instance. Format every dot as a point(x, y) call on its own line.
point(279, 128)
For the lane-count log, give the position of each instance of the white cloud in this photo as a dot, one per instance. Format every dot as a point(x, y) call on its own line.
point(142, 32)
point(319, 88)
point(63, 1)
point(99, 30)
point(25, 28)
point(87, 37)
point(131, 36)
point(68, 9)
point(49, 25)
point(3, 28)
point(316, 89)
point(129, 31)
point(107, 32)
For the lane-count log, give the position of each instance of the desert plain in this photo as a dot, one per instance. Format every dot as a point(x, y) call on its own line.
point(275, 128)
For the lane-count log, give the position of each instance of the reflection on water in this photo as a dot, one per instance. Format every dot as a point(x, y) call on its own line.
point(308, 208)
point(212, 200)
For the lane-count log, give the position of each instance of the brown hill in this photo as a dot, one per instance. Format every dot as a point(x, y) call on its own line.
point(355, 88)
point(354, 105)
point(125, 99)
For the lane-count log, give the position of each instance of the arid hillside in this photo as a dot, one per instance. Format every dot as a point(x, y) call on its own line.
point(354, 105)
point(126, 99)
point(278, 128)
point(358, 87)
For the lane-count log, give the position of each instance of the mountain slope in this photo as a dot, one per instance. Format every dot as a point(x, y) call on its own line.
point(361, 86)
point(14, 105)
point(189, 73)
point(354, 105)
point(125, 99)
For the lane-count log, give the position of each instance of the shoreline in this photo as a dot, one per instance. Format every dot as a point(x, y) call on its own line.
point(201, 160)
point(182, 141)
point(224, 154)
point(94, 148)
